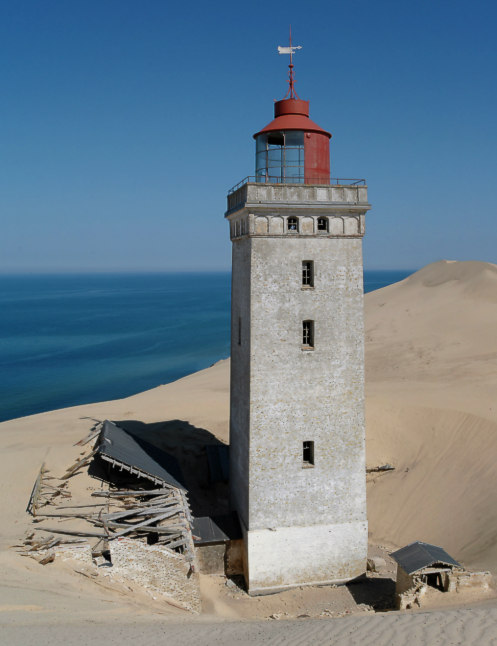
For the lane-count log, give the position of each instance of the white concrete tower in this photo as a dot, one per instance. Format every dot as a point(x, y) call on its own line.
point(297, 439)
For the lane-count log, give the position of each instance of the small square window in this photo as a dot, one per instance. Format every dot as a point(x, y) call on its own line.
point(307, 273)
point(308, 454)
point(292, 224)
point(308, 334)
point(322, 224)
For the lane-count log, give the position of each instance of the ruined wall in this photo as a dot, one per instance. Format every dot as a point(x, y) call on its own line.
point(157, 569)
point(404, 581)
point(410, 588)
point(459, 581)
point(210, 558)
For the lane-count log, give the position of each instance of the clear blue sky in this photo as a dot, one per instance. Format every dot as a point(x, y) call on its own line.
point(123, 123)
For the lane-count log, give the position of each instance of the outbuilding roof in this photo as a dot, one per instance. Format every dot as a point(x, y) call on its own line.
point(418, 555)
point(216, 529)
point(137, 456)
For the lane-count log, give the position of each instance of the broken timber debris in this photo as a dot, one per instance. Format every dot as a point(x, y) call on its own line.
point(384, 467)
point(43, 493)
point(157, 521)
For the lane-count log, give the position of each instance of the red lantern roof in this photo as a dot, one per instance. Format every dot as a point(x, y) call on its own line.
point(292, 114)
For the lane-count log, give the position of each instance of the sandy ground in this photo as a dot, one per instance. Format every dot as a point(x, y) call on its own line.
point(431, 366)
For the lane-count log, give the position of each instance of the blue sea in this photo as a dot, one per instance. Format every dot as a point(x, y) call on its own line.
point(73, 339)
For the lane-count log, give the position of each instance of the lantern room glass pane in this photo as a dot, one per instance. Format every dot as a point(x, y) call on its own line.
point(280, 157)
point(294, 138)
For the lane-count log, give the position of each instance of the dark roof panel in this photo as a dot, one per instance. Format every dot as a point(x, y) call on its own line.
point(119, 446)
point(418, 555)
point(218, 529)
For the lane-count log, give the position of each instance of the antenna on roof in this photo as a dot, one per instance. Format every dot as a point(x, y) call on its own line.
point(291, 49)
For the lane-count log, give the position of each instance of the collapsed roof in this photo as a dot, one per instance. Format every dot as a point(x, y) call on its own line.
point(138, 457)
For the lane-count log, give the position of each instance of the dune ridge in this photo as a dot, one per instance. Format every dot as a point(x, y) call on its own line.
point(431, 379)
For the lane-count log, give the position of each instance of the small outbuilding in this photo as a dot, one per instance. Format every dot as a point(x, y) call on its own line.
point(422, 565)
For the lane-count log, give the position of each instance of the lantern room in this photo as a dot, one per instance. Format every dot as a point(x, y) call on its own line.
point(292, 148)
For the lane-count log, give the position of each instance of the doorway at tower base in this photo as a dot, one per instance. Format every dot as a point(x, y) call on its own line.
point(286, 557)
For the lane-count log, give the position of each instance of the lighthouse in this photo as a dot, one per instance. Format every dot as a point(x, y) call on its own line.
point(297, 437)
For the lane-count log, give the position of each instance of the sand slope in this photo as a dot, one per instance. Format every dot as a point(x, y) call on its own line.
point(431, 374)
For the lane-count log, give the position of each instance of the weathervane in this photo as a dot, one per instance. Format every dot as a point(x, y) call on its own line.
point(291, 49)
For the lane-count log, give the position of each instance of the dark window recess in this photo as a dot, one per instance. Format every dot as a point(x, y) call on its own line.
point(239, 330)
point(292, 224)
point(308, 453)
point(307, 273)
point(322, 224)
point(308, 334)
point(276, 139)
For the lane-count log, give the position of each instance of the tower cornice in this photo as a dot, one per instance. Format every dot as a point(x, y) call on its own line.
point(343, 198)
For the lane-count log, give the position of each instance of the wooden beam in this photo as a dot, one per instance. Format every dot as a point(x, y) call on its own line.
point(36, 491)
point(152, 530)
point(71, 532)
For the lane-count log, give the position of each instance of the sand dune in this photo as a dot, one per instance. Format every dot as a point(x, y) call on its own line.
point(431, 374)
point(431, 367)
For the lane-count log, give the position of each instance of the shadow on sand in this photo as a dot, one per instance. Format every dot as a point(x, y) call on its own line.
point(187, 444)
point(379, 593)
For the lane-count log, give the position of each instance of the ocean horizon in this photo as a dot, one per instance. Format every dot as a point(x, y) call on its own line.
point(71, 339)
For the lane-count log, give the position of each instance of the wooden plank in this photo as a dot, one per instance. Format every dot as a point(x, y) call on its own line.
point(165, 539)
point(178, 543)
point(35, 493)
point(72, 532)
point(134, 528)
point(95, 504)
point(59, 487)
point(153, 530)
point(91, 435)
point(142, 512)
point(78, 465)
point(45, 515)
point(131, 492)
point(187, 506)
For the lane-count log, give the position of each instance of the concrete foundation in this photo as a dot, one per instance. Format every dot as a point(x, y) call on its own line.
point(284, 557)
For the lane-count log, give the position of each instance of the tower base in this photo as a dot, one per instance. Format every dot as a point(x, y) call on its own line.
point(284, 557)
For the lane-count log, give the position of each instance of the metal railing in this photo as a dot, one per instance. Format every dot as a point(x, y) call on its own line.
point(335, 181)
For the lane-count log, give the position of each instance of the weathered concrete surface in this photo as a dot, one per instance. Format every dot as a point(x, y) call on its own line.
point(312, 196)
point(283, 394)
point(210, 558)
point(287, 556)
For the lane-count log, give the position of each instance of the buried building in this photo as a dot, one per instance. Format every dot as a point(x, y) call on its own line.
point(134, 526)
point(147, 520)
point(422, 565)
